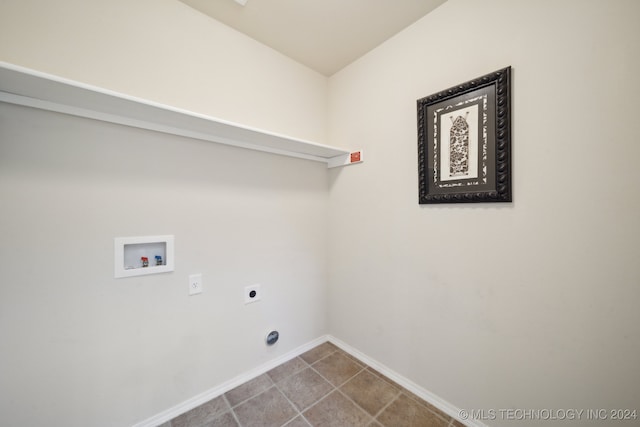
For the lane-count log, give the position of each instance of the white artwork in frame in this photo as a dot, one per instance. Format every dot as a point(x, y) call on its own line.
point(467, 117)
point(464, 142)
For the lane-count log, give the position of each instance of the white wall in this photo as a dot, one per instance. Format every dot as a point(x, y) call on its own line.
point(536, 310)
point(525, 305)
point(80, 348)
point(165, 51)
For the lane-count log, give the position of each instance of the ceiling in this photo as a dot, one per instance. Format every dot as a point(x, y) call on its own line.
point(325, 35)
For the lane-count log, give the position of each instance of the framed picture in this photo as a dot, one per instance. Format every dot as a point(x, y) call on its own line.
point(464, 142)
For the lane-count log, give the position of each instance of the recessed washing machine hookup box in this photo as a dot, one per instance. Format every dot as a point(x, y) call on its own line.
point(136, 256)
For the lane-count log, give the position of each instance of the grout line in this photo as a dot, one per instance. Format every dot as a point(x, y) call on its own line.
point(320, 400)
point(331, 390)
point(292, 374)
point(357, 406)
point(333, 387)
point(384, 378)
point(362, 368)
point(308, 366)
point(426, 405)
point(323, 377)
point(374, 417)
point(306, 420)
point(322, 358)
point(400, 390)
point(414, 391)
point(181, 408)
point(254, 395)
point(384, 408)
point(350, 378)
point(233, 413)
point(295, 408)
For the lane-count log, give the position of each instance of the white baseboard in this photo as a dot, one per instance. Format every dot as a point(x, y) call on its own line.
point(206, 396)
point(424, 394)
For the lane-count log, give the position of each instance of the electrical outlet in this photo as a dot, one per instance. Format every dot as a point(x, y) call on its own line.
point(195, 284)
point(252, 293)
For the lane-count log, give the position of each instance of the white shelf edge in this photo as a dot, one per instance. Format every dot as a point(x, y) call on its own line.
point(351, 158)
point(35, 89)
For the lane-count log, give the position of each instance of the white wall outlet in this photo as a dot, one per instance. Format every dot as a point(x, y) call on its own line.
point(195, 284)
point(252, 293)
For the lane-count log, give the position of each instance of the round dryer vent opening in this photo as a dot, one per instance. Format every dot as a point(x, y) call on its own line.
point(272, 337)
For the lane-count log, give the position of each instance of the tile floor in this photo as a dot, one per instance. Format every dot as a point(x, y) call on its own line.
point(322, 387)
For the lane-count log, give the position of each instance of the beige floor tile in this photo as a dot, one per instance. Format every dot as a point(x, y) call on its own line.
point(337, 368)
point(336, 410)
point(318, 352)
point(384, 377)
point(202, 414)
point(298, 422)
point(305, 388)
point(226, 420)
point(406, 412)
point(355, 359)
point(287, 369)
point(249, 389)
point(369, 391)
point(268, 409)
point(425, 403)
point(307, 384)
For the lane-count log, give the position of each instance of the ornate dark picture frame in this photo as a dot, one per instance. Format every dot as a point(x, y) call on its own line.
point(464, 142)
